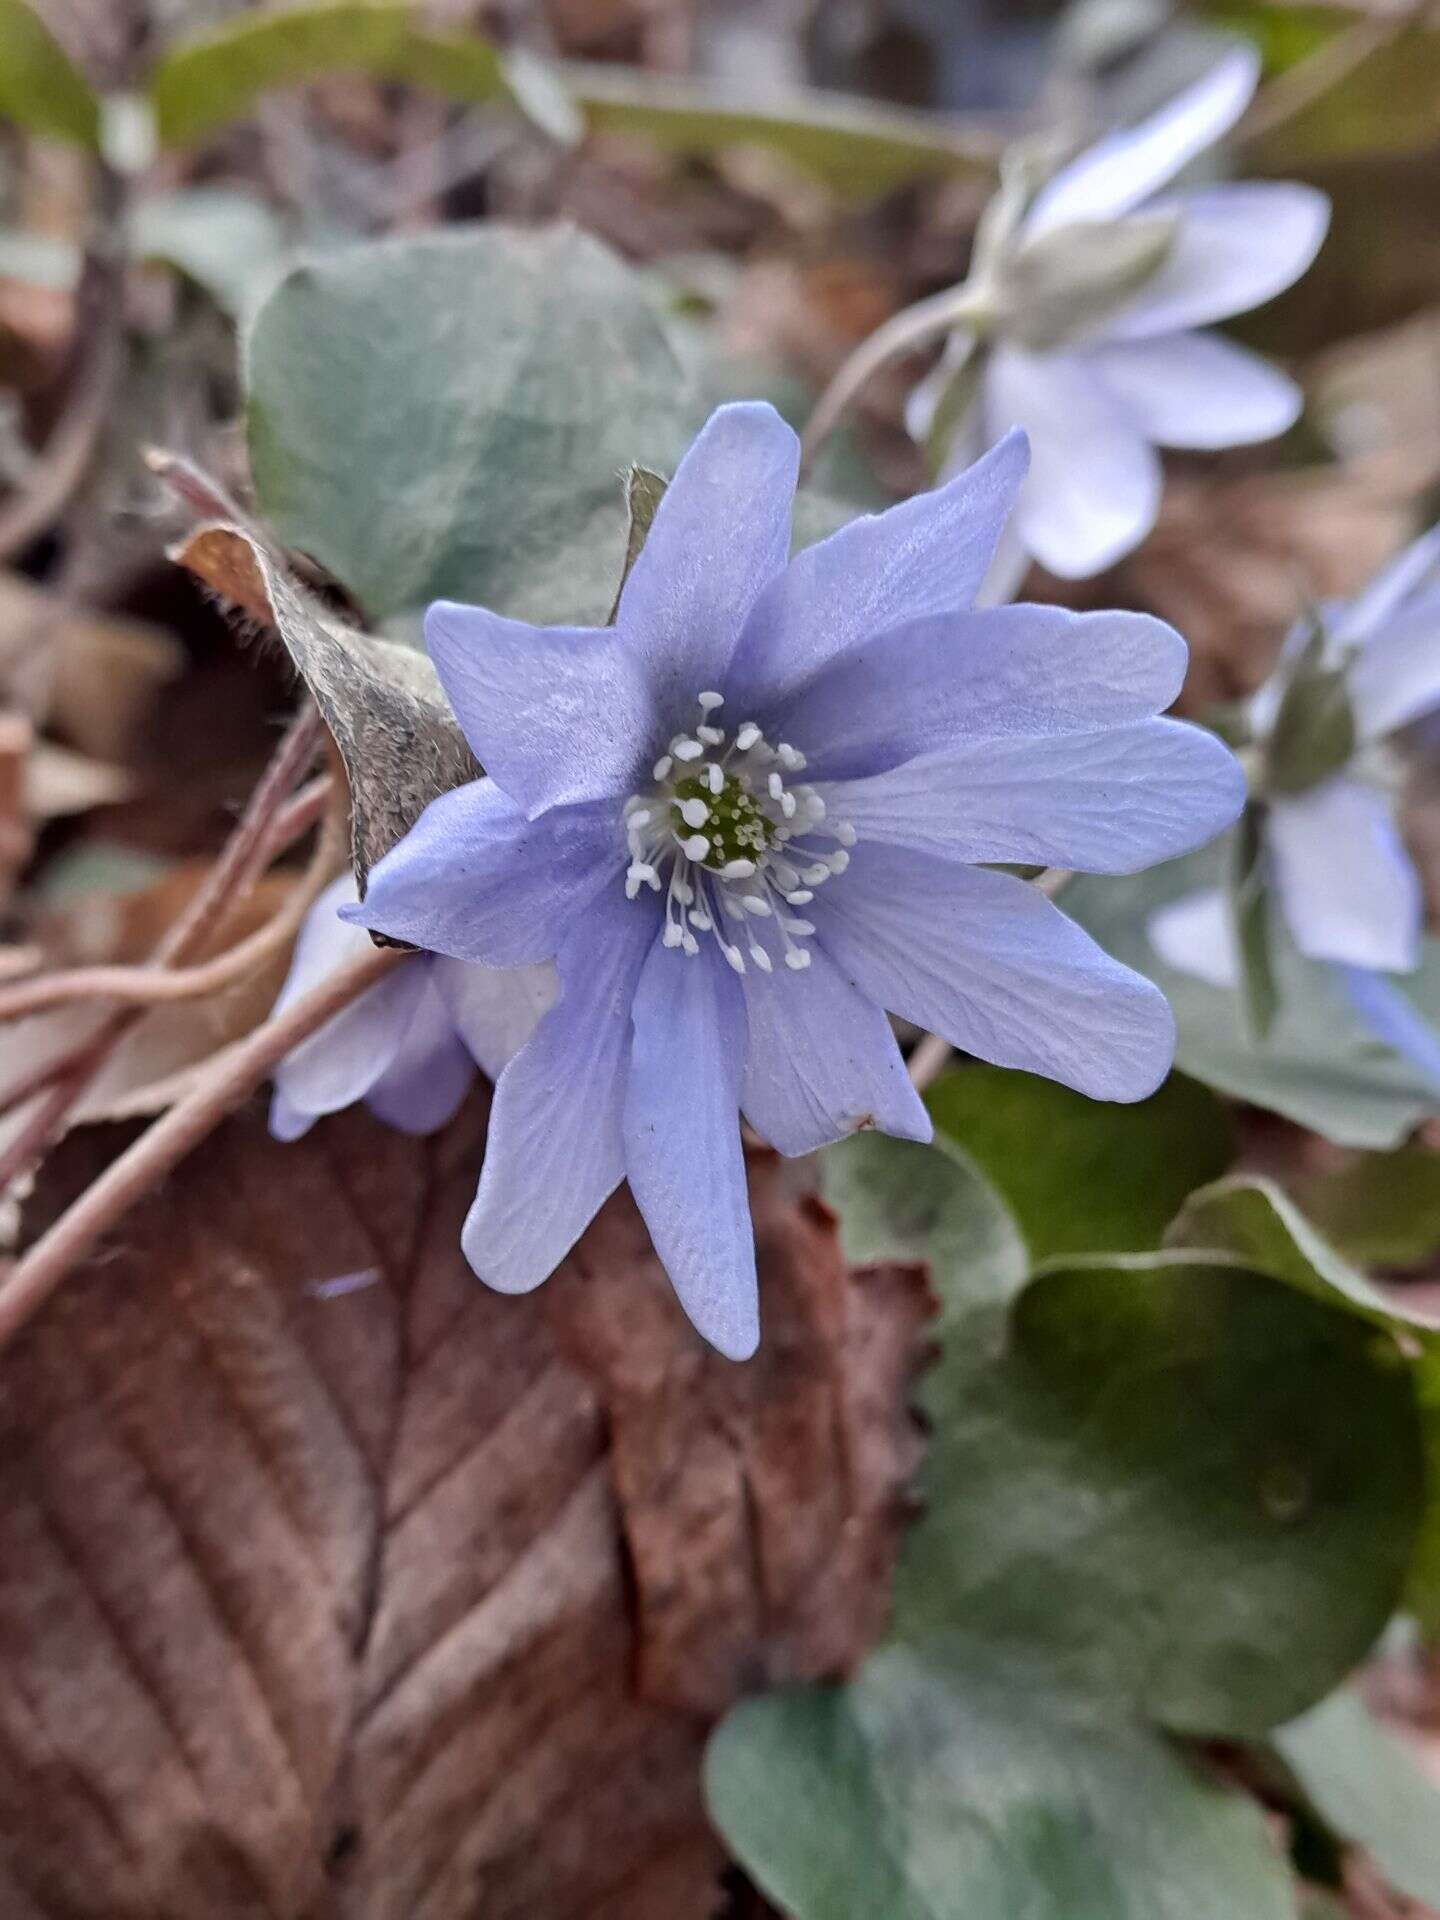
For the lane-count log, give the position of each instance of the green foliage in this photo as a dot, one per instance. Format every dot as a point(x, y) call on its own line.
point(1362, 1782)
point(210, 79)
point(1379, 1207)
point(1083, 1176)
point(1141, 1509)
point(229, 242)
point(39, 86)
point(976, 1791)
point(447, 417)
point(1317, 1064)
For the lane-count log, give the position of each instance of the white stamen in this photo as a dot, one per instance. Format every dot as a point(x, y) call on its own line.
point(740, 848)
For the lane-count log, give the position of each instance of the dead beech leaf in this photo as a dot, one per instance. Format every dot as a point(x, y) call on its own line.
point(333, 1584)
point(382, 702)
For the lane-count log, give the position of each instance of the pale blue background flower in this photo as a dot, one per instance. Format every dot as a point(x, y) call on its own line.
point(1347, 889)
point(755, 813)
point(409, 1046)
point(1144, 374)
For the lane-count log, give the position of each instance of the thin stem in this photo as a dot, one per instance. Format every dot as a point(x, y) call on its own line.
point(226, 1085)
point(902, 333)
point(927, 1060)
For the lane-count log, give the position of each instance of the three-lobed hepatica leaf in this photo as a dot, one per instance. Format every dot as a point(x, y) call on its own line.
point(1136, 1469)
point(1159, 1488)
point(975, 1790)
point(448, 417)
point(1317, 1064)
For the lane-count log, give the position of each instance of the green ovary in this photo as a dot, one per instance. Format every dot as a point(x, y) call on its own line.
point(735, 826)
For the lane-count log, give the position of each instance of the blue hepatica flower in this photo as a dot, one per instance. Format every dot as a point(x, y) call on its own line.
point(410, 1045)
point(757, 812)
point(1325, 785)
point(1083, 318)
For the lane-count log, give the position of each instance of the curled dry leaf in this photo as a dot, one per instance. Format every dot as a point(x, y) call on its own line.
point(381, 701)
point(333, 1583)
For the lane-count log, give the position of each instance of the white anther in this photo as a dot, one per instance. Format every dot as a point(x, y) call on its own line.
point(682, 891)
point(755, 903)
point(789, 756)
point(714, 779)
point(684, 748)
point(838, 862)
point(673, 935)
point(662, 766)
point(761, 959)
point(817, 875)
point(747, 736)
point(787, 805)
point(709, 701)
point(695, 847)
point(694, 812)
point(731, 907)
point(712, 736)
point(737, 870)
point(799, 896)
point(735, 957)
point(797, 959)
point(845, 833)
point(776, 786)
point(690, 944)
point(643, 875)
point(802, 927)
point(701, 919)
point(814, 806)
point(640, 818)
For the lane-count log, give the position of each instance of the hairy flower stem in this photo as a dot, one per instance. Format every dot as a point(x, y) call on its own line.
point(225, 1086)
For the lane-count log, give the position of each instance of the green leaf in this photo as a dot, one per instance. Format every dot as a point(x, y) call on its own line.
point(1255, 1222)
point(855, 147)
point(230, 243)
point(1381, 1209)
point(1364, 1783)
point(445, 417)
point(977, 1792)
point(1149, 1486)
point(1084, 1176)
point(1318, 1065)
point(39, 86)
point(214, 77)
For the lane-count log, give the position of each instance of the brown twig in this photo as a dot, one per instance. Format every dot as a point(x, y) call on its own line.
point(226, 1086)
point(245, 856)
point(152, 986)
point(98, 357)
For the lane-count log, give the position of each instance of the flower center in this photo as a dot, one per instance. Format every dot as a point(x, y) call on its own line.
point(734, 843)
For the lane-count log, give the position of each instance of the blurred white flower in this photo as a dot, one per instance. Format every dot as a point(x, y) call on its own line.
point(1330, 852)
point(1080, 322)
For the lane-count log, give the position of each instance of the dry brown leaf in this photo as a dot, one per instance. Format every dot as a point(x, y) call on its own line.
point(16, 744)
point(382, 702)
point(93, 677)
point(371, 1600)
